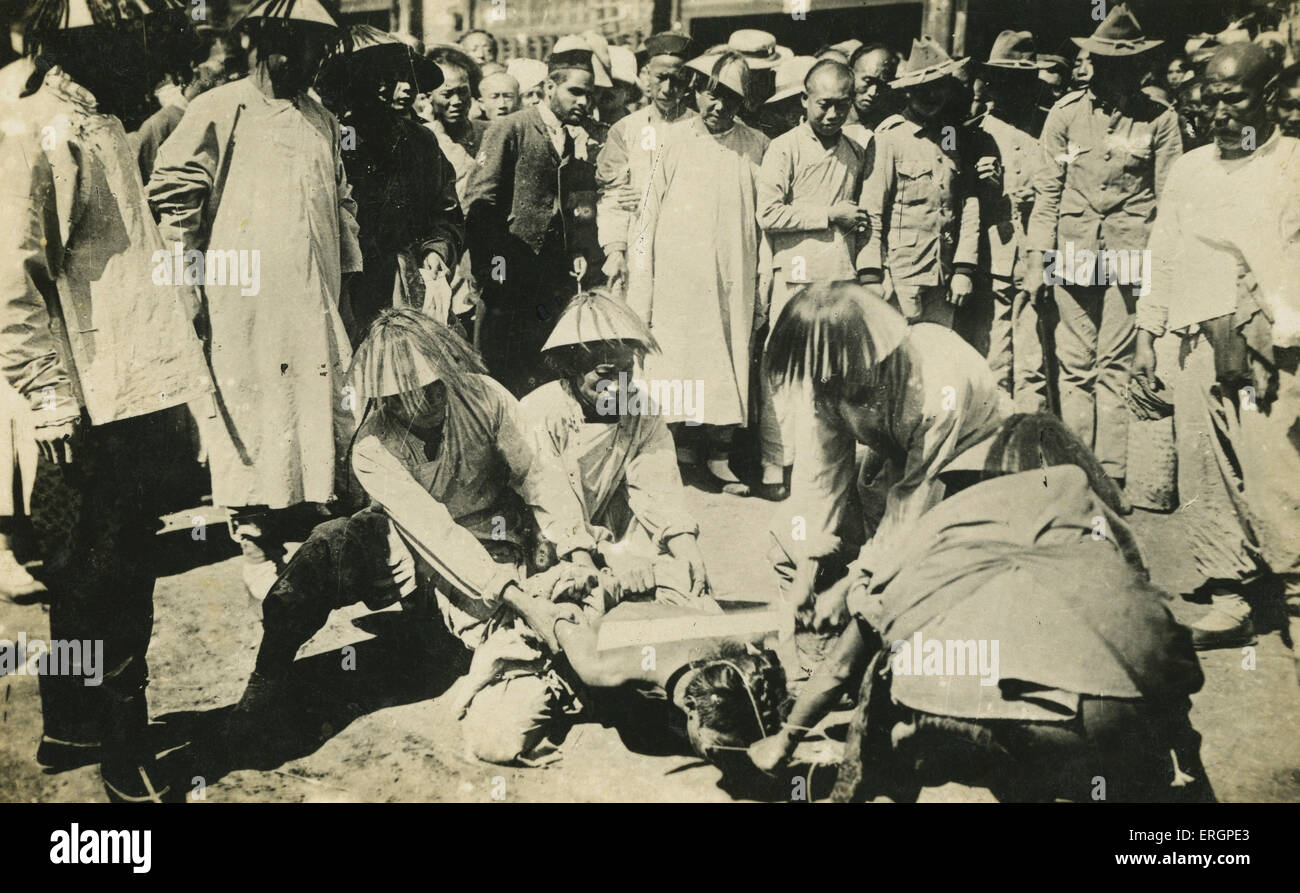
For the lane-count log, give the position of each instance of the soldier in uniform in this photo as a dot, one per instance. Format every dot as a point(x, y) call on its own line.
point(1001, 321)
point(920, 195)
point(1107, 150)
point(531, 219)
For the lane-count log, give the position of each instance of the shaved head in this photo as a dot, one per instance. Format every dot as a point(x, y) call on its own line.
point(1248, 64)
point(827, 76)
point(1236, 93)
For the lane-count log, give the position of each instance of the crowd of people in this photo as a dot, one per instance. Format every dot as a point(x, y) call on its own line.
point(452, 334)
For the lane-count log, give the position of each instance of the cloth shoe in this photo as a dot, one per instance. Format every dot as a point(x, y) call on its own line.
point(1227, 625)
point(16, 584)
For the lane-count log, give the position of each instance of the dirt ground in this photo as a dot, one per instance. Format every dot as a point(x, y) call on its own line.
point(383, 731)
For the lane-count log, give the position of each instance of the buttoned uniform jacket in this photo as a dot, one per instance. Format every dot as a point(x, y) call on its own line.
point(1005, 211)
point(522, 204)
point(922, 203)
point(1102, 173)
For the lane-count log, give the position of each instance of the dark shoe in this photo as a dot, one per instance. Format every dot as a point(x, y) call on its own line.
point(1236, 635)
point(772, 492)
point(54, 755)
point(133, 781)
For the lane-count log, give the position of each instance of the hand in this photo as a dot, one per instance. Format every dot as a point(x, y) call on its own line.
point(615, 270)
point(565, 581)
point(989, 169)
point(1035, 274)
point(829, 613)
point(959, 289)
point(770, 754)
point(625, 198)
point(799, 597)
point(435, 265)
point(1144, 360)
point(55, 441)
point(634, 576)
point(686, 547)
point(847, 215)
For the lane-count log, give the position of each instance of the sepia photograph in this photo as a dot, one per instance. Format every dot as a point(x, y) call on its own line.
point(649, 401)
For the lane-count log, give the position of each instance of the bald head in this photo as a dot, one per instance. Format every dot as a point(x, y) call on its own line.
point(1235, 97)
point(827, 96)
point(1248, 64)
point(499, 94)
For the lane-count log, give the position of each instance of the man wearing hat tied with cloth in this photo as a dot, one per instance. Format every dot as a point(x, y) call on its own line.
point(278, 352)
point(1106, 152)
point(531, 218)
point(921, 195)
point(1001, 321)
point(623, 167)
point(99, 349)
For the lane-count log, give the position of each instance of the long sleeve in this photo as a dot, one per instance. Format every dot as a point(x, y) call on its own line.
point(654, 485)
point(1165, 246)
point(1168, 149)
point(877, 199)
point(967, 254)
point(641, 253)
point(349, 244)
point(487, 197)
point(34, 218)
point(426, 526)
point(613, 171)
point(821, 482)
point(777, 210)
point(184, 173)
point(1049, 182)
point(444, 230)
point(539, 479)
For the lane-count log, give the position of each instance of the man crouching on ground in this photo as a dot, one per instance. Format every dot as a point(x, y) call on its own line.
point(449, 470)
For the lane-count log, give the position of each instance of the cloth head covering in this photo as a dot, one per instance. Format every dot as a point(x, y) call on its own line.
point(759, 48)
point(1119, 34)
point(574, 51)
point(1014, 49)
point(790, 76)
point(670, 43)
point(734, 75)
point(927, 62)
point(622, 62)
point(530, 73)
point(595, 317)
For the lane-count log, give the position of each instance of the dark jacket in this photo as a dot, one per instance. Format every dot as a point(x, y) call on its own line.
point(523, 205)
point(405, 190)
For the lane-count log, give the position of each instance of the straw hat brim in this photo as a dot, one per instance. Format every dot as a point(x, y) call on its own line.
point(1104, 47)
point(1015, 64)
point(786, 93)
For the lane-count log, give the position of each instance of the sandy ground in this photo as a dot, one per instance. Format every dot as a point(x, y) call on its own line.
point(381, 732)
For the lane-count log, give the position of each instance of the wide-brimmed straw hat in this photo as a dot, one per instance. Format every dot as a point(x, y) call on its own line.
point(404, 351)
point(367, 53)
point(1119, 34)
point(927, 62)
point(790, 75)
point(1014, 50)
point(759, 48)
point(734, 75)
point(72, 14)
